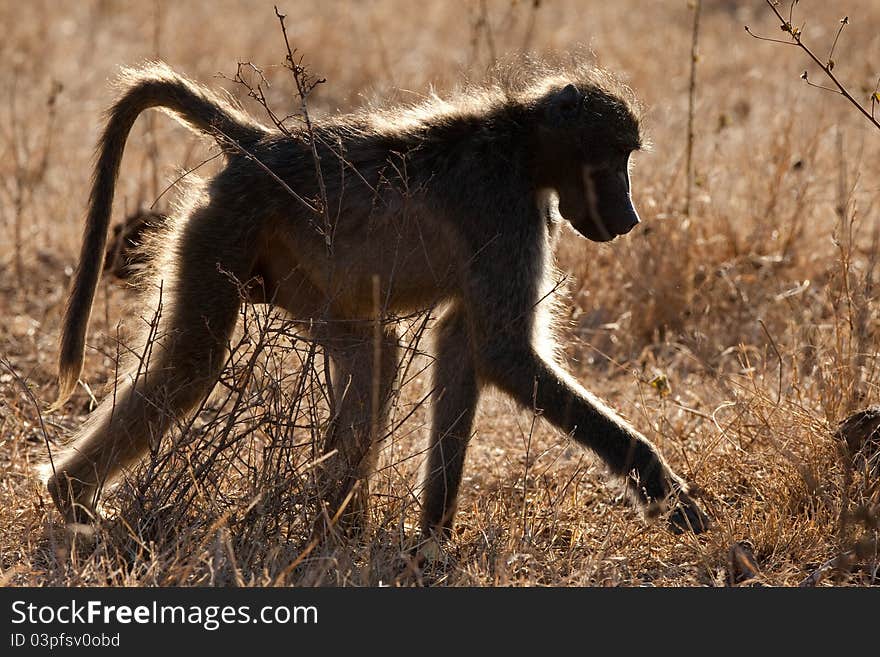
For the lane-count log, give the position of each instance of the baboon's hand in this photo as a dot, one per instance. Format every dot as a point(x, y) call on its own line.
point(685, 515)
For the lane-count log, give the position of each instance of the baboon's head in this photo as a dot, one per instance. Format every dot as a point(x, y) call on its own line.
point(585, 139)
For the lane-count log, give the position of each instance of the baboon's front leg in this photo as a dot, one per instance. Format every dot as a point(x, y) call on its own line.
point(454, 401)
point(363, 373)
point(535, 382)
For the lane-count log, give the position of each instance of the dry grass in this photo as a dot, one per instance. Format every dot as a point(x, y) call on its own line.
point(759, 311)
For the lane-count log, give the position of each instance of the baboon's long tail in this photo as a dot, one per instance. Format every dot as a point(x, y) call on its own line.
point(154, 85)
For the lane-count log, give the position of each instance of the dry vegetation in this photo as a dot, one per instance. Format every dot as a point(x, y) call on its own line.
point(736, 338)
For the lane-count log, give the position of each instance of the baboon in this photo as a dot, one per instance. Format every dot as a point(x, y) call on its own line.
point(126, 255)
point(454, 205)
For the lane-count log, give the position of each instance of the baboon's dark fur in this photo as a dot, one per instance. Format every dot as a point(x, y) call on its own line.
point(126, 254)
point(449, 204)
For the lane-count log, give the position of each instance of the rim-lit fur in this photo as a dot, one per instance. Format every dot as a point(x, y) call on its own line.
point(154, 85)
point(454, 203)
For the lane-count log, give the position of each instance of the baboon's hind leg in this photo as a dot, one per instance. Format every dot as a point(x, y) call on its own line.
point(453, 402)
point(199, 309)
point(364, 366)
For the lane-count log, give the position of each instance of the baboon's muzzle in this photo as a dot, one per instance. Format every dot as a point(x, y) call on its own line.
point(609, 208)
point(601, 230)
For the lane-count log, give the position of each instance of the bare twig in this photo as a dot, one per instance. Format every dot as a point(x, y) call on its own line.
point(30, 395)
point(487, 30)
point(152, 150)
point(692, 93)
point(305, 85)
point(827, 66)
point(29, 164)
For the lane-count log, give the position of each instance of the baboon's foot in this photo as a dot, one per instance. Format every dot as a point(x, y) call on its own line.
point(73, 499)
point(346, 506)
point(430, 551)
point(427, 562)
point(685, 515)
point(433, 547)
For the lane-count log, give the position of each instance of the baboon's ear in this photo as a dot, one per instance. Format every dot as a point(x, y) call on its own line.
point(564, 105)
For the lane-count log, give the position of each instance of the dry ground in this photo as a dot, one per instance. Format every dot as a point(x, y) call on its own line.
point(756, 318)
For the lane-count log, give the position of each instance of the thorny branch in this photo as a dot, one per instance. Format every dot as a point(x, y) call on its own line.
point(305, 84)
point(827, 66)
